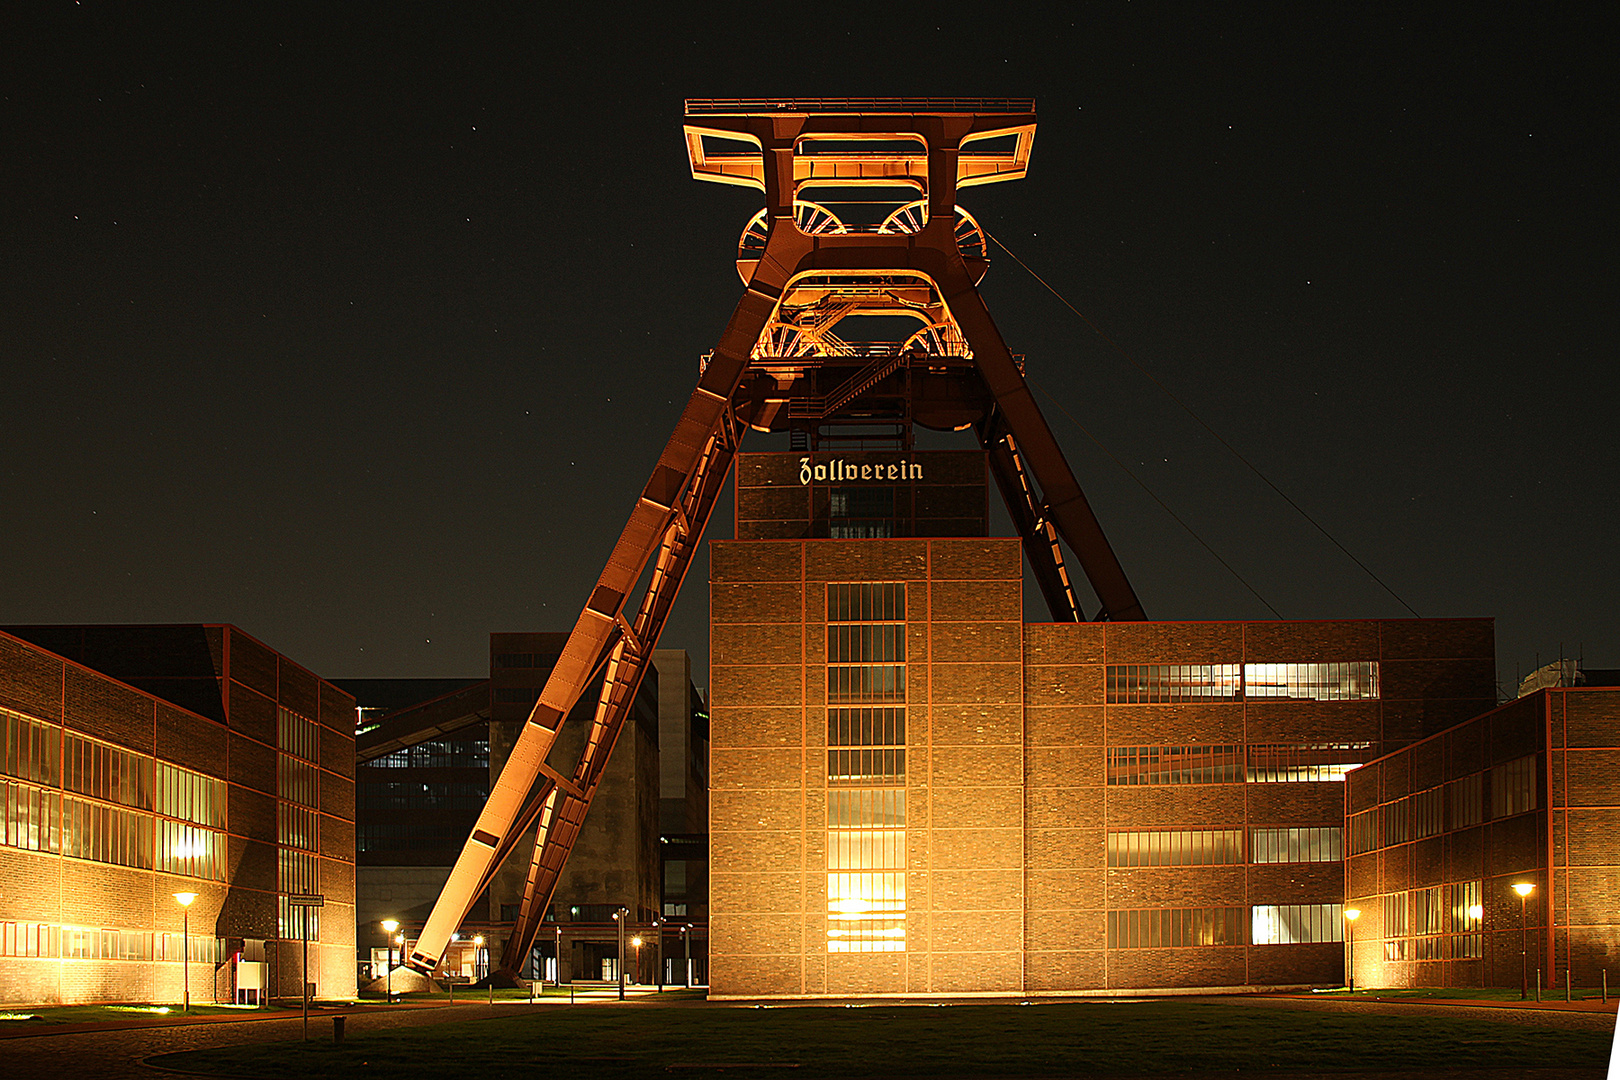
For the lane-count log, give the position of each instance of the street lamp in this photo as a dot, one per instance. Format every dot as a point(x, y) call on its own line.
point(1350, 916)
point(389, 926)
point(558, 973)
point(686, 953)
point(636, 943)
point(185, 899)
point(1524, 889)
point(619, 917)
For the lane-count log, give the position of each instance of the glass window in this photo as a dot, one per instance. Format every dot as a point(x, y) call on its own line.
point(866, 745)
point(1175, 764)
point(106, 834)
point(1278, 763)
point(861, 513)
point(1397, 927)
point(298, 735)
point(1513, 787)
point(1148, 684)
point(1465, 800)
point(1176, 847)
point(1175, 928)
point(31, 749)
point(1297, 924)
point(1296, 845)
point(190, 796)
point(33, 817)
point(103, 771)
point(297, 780)
point(1312, 682)
point(1429, 812)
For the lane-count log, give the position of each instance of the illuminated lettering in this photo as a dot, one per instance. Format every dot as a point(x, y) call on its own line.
point(838, 470)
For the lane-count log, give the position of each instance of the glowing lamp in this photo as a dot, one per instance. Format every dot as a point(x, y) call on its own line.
point(1523, 888)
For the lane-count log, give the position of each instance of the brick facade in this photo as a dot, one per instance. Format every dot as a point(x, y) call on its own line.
point(232, 687)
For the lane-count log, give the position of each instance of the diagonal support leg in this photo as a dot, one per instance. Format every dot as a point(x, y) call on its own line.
point(1040, 539)
point(677, 500)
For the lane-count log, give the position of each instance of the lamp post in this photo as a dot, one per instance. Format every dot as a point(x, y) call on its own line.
point(658, 952)
point(635, 943)
point(478, 963)
point(389, 926)
point(1350, 917)
point(558, 973)
point(686, 953)
point(619, 917)
point(185, 899)
point(1524, 889)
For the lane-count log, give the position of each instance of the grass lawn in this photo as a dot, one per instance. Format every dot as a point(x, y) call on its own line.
point(1064, 1038)
point(14, 1016)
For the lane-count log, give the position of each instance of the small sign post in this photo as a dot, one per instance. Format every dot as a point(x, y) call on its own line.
point(304, 903)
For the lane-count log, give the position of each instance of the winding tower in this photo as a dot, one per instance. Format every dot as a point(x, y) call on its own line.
point(860, 320)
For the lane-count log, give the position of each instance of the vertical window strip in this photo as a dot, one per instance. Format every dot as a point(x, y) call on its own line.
point(298, 735)
point(866, 840)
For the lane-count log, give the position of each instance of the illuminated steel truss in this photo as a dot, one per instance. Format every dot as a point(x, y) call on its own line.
point(810, 268)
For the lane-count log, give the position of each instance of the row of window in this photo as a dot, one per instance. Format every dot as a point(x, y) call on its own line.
point(1232, 763)
point(1223, 847)
point(46, 754)
point(415, 795)
point(1441, 922)
point(1168, 684)
point(462, 751)
point(37, 819)
point(1457, 804)
point(86, 943)
point(1269, 924)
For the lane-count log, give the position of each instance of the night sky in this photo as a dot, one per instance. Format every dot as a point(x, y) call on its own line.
point(362, 331)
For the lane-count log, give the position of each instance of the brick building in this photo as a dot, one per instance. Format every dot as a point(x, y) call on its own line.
point(1441, 831)
point(916, 792)
point(140, 762)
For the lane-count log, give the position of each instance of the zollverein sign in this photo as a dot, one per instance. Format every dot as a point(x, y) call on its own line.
point(841, 471)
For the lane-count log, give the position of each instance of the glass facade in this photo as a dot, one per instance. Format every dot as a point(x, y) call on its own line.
point(1301, 845)
point(866, 797)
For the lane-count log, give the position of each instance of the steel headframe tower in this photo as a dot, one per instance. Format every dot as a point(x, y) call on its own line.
point(860, 220)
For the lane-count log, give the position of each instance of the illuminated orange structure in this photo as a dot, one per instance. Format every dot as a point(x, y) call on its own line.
point(860, 234)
